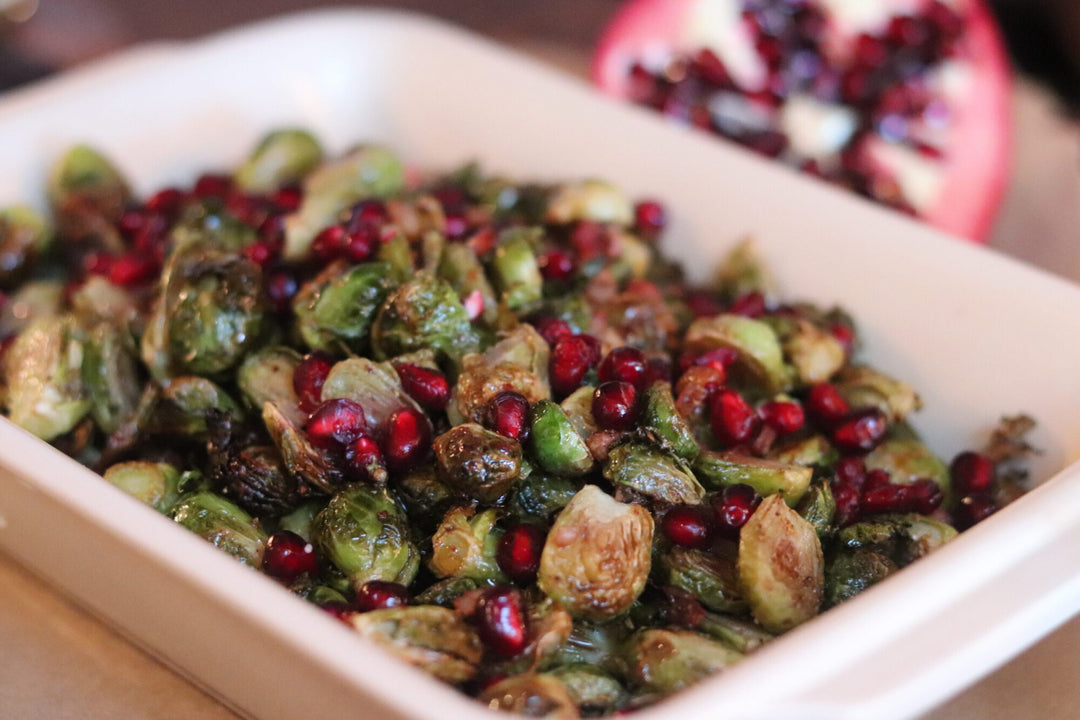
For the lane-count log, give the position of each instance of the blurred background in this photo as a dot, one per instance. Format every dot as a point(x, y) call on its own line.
point(58, 663)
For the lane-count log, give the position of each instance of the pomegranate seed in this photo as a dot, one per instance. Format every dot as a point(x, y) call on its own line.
point(329, 244)
point(501, 621)
point(650, 216)
point(260, 253)
point(508, 414)
point(474, 305)
point(926, 495)
point(366, 461)
point(595, 350)
point(424, 385)
point(281, 288)
point(973, 509)
point(167, 202)
point(287, 199)
point(340, 610)
point(710, 68)
point(308, 378)
point(971, 473)
point(519, 552)
point(360, 243)
point(734, 422)
point(212, 186)
point(851, 471)
point(886, 498)
point(590, 240)
point(552, 329)
point(869, 52)
point(719, 358)
point(826, 403)
point(570, 360)
point(624, 364)
point(876, 478)
point(860, 432)
point(688, 526)
point(381, 595)
point(97, 263)
point(288, 556)
point(336, 423)
point(751, 304)
point(702, 304)
point(784, 417)
point(556, 265)
point(133, 268)
point(847, 499)
point(733, 507)
point(408, 439)
point(369, 211)
point(614, 406)
point(248, 209)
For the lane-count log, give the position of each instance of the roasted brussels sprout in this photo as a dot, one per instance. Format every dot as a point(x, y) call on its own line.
point(709, 577)
point(432, 638)
point(153, 483)
point(334, 312)
point(555, 443)
point(850, 572)
point(720, 469)
point(591, 199)
point(662, 417)
point(593, 691)
point(537, 695)
point(760, 359)
point(222, 524)
point(281, 157)
point(110, 375)
point(465, 545)
point(516, 270)
point(267, 376)
point(477, 463)
point(653, 473)
point(425, 312)
point(24, 238)
point(84, 181)
point(663, 661)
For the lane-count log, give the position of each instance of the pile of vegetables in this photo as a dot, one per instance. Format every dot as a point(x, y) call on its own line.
point(483, 422)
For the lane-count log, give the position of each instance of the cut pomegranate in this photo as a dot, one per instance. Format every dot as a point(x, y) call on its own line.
point(903, 101)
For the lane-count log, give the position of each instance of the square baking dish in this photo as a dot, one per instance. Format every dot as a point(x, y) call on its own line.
point(977, 334)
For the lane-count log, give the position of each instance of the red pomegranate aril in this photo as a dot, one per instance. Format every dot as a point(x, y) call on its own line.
point(212, 185)
point(785, 417)
point(733, 507)
point(518, 553)
point(848, 505)
point(329, 244)
point(508, 414)
point(260, 253)
point(625, 364)
point(650, 216)
point(926, 495)
point(287, 199)
point(97, 263)
point(556, 265)
point(590, 240)
point(365, 460)
point(308, 378)
point(167, 202)
point(845, 335)
point(973, 509)
point(408, 439)
point(381, 595)
point(614, 406)
point(133, 268)
point(971, 472)
point(886, 499)
point(570, 360)
point(596, 351)
point(720, 358)
point(248, 209)
point(501, 622)
point(288, 556)
point(281, 288)
point(688, 526)
point(551, 329)
point(338, 609)
point(474, 305)
point(361, 242)
point(703, 304)
point(826, 403)
point(734, 421)
point(876, 478)
point(336, 423)
point(860, 432)
point(851, 471)
point(369, 211)
point(424, 385)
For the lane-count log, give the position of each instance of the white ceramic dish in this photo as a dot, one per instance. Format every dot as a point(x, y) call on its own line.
point(979, 336)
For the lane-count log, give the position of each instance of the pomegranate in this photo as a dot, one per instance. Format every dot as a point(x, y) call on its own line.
point(903, 101)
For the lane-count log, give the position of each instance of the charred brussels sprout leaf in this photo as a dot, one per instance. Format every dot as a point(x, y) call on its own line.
point(431, 638)
point(301, 458)
point(478, 463)
point(652, 472)
point(222, 524)
point(540, 496)
point(849, 572)
point(152, 483)
point(465, 544)
point(663, 661)
point(780, 566)
point(707, 576)
point(255, 478)
point(597, 556)
point(661, 416)
point(461, 268)
point(902, 538)
point(24, 238)
point(424, 313)
point(538, 695)
point(336, 309)
point(365, 533)
point(281, 157)
point(818, 507)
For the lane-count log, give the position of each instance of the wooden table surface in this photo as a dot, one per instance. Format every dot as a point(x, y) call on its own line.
point(59, 663)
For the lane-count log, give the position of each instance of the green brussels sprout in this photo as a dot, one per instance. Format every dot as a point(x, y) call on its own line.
point(301, 518)
point(597, 556)
point(594, 691)
point(517, 273)
point(266, 375)
point(818, 507)
point(465, 545)
point(431, 638)
point(902, 538)
point(43, 374)
point(187, 406)
point(814, 353)
point(517, 362)
point(709, 577)
point(742, 271)
point(98, 300)
point(222, 524)
point(760, 359)
point(300, 457)
point(477, 463)
point(25, 237)
point(864, 386)
point(720, 469)
point(214, 310)
point(425, 496)
point(34, 299)
point(376, 386)
point(425, 312)
point(461, 268)
point(110, 375)
point(365, 533)
point(814, 451)
point(255, 478)
point(907, 460)
point(84, 178)
point(780, 566)
point(334, 186)
point(661, 416)
point(850, 571)
point(653, 472)
point(663, 661)
point(538, 695)
point(281, 157)
point(578, 408)
point(739, 634)
point(590, 199)
point(539, 496)
point(596, 644)
point(396, 253)
point(335, 311)
point(555, 444)
point(444, 592)
point(153, 483)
